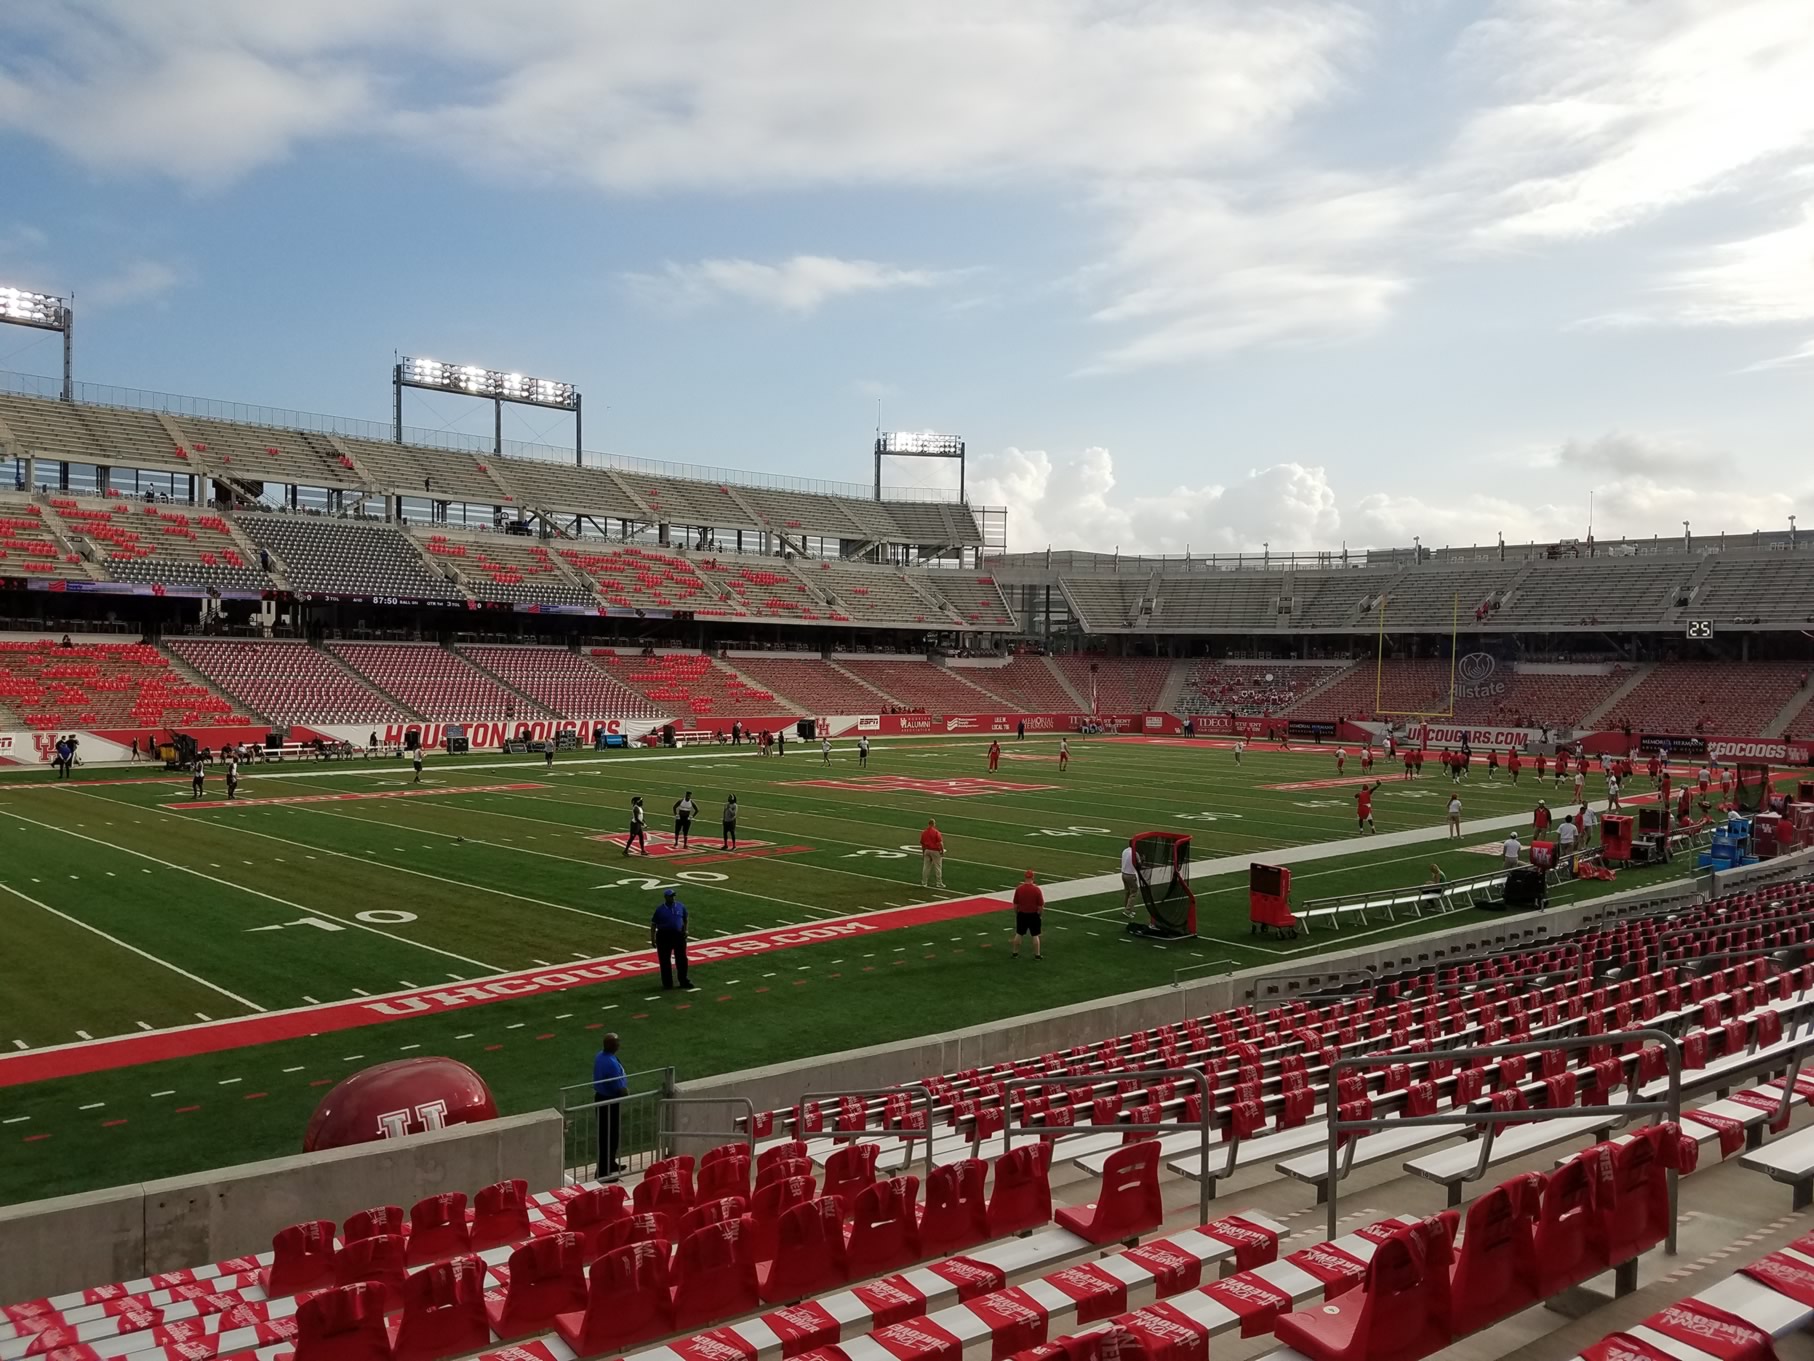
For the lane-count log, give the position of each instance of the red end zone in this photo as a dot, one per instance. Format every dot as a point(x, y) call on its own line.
point(93, 1056)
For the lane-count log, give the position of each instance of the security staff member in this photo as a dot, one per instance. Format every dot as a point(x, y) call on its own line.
point(668, 935)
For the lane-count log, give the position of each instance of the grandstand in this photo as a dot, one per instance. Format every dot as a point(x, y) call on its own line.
point(435, 683)
point(687, 684)
point(285, 682)
point(1706, 697)
point(1031, 684)
point(811, 685)
point(348, 557)
point(1125, 685)
point(505, 567)
point(1253, 687)
point(923, 685)
point(89, 684)
point(566, 683)
point(1091, 1213)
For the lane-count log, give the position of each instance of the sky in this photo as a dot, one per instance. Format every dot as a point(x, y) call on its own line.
point(1187, 275)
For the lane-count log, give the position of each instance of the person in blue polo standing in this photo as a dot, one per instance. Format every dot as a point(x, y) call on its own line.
point(668, 935)
point(608, 1084)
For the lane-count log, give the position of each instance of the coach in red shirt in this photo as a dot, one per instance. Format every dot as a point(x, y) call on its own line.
point(1029, 903)
point(932, 856)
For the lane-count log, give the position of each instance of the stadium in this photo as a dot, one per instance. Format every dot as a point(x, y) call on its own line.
point(482, 897)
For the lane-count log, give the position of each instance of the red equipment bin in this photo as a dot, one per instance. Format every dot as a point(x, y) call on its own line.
point(1615, 837)
point(1269, 898)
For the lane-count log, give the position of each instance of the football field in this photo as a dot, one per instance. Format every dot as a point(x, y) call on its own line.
point(185, 977)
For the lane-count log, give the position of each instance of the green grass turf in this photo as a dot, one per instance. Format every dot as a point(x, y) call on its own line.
point(528, 884)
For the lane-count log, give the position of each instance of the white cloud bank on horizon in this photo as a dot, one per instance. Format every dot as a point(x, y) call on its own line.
point(1642, 487)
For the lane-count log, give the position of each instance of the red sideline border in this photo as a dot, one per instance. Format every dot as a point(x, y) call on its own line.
point(236, 1032)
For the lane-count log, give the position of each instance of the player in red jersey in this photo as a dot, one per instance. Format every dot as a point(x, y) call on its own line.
point(1363, 806)
point(994, 755)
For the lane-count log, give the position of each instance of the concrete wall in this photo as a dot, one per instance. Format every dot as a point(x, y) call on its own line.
point(779, 1085)
point(50, 1246)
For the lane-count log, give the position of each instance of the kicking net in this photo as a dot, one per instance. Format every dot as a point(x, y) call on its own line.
point(1751, 787)
point(1162, 863)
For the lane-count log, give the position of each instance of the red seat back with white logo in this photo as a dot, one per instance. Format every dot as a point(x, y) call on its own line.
point(766, 1208)
point(723, 1175)
point(1496, 1270)
point(627, 1302)
point(437, 1227)
point(302, 1258)
point(1127, 1204)
point(500, 1214)
point(809, 1253)
point(1568, 1243)
point(884, 1227)
point(1022, 1196)
point(716, 1276)
point(593, 1211)
point(344, 1324)
point(957, 1211)
point(1399, 1313)
point(443, 1312)
point(849, 1170)
point(547, 1277)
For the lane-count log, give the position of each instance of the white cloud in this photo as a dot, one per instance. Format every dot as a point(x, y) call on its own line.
point(1642, 485)
point(134, 282)
point(1604, 112)
point(684, 94)
point(1804, 354)
point(1202, 271)
point(800, 285)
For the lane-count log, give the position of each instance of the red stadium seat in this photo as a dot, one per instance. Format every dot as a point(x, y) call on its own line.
point(594, 1210)
point(719, 1211)
point(370, 1223)
point(809, 1256)
point(302, 1258)
point(767, 1206)
point(723, 1176)
point(547, 1277)
point(1022, 1195)
point(667, 1193)
point(1496, 1270)
point(1400, 1312)
point(957, 1212)
point(443, 1312)
point(500, 1214)
point(1128, 1204)
point(438, 1228)
point(680, 1165)
point(781, 1169)
point(344, 1324)
point(1638, 1217)
point(1568, 1241)
point(716, 1276)
point(627, 1302)
point(849, 1170)
point(382, 1258)
point(620, 1233)
point(775, 1153)
point(884, 1228)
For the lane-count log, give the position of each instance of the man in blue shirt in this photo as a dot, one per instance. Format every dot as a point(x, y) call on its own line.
point(608, 1083)
point(668, 936)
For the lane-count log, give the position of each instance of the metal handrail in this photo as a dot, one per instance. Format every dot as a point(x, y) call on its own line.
point(1146, 1076)
point(745, 1135)
point(1204, 967)
point(799, 1116)
point(1671, 1106)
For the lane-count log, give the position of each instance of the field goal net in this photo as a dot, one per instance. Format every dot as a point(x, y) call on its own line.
point(1162, 864)
point(1751, 787)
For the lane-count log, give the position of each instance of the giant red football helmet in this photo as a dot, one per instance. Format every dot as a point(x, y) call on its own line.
point(406, 1096)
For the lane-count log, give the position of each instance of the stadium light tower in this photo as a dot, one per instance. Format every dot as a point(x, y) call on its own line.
point(919, 444)
point(42, 312)
point(492, 385)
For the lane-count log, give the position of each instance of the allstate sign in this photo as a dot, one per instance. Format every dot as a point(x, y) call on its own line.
point(1477, 677)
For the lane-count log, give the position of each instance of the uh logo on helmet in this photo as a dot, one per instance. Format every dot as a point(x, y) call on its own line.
point(390, 1100)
